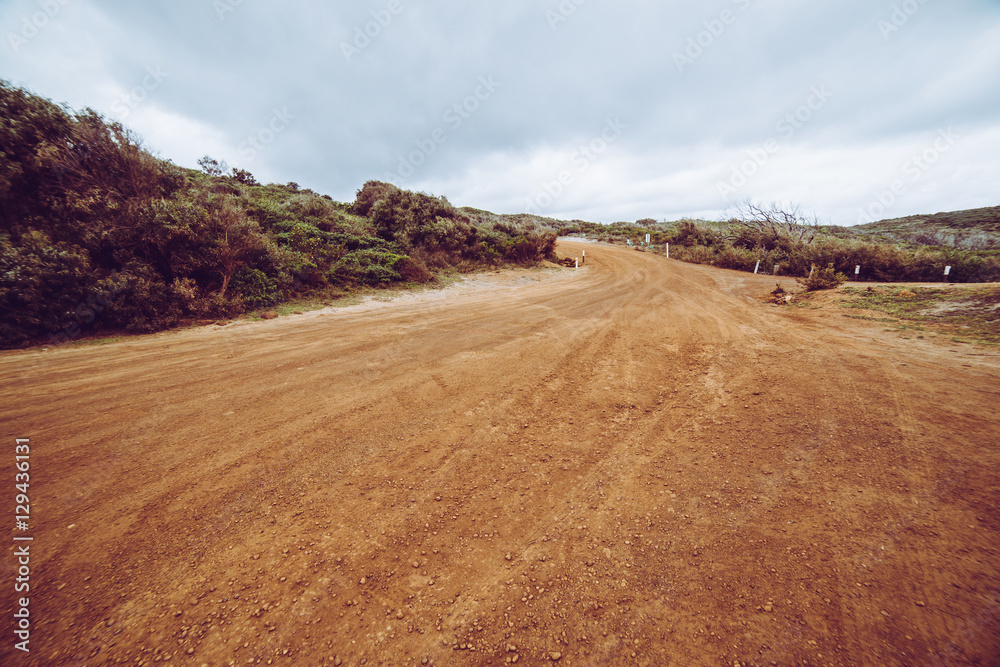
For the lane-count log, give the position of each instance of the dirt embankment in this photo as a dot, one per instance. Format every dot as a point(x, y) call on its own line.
point(637, 462)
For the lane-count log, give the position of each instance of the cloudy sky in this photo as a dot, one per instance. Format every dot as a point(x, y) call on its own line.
point(604, 111)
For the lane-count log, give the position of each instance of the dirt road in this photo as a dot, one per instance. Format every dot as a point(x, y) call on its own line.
point(639, 462)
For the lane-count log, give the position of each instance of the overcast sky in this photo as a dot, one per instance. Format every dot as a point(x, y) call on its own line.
point(603, 111)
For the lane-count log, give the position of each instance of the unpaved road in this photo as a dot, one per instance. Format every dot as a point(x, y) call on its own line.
point(639, 462)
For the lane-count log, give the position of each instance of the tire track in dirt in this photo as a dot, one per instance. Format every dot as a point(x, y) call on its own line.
point(672, 465)
point(928, 588)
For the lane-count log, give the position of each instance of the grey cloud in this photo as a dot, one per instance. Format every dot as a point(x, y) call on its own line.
point(369, 83)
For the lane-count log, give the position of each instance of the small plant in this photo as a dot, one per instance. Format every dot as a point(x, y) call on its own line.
point(256, 288)
point(827, 278)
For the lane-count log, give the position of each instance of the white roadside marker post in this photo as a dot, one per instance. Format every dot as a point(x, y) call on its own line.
point(577, 263)
point(668, 251)
point(756, 268)
point(776, 266)
point(857, 272)
point(947, 272)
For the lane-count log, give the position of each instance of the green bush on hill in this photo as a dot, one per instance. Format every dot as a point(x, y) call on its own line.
point(95, 232)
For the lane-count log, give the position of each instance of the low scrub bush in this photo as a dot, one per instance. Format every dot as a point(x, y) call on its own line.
point(255, 287)
point(796, 248)
point(739, 259)
point(141, 301)
point(697, 254)
point(367, 267)
point(413, 271)
point(821, 279)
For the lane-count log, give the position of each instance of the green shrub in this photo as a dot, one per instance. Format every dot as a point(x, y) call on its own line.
point(255, 287)
point(697, 254)
point(690, 234)
point(370, 194)
point(821, 279)
point(43, 287)
point(739, 259)
point(367, 267)
point(413, 271)
point(142, 302)
point(486, 253)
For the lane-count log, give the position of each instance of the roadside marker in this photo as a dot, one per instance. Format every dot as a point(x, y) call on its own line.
point(857, 271)
point(776, 269)
point(756, 267)
point(668, 251)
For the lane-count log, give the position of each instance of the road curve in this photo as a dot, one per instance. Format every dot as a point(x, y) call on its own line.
point(638, 462)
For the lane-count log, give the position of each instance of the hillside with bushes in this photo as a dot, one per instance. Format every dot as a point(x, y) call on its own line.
point(911, 250)
point(98, 234)
point(973, 229)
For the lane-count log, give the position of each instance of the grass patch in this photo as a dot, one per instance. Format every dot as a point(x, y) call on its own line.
point(805, 300)
point(340, 297)
point(91, 342)
point(969, 314)
point(871, 319)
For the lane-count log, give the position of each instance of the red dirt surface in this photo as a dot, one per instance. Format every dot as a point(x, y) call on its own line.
point(636, 463)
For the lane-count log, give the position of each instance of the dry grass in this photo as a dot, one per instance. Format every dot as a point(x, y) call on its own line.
point(966, 313)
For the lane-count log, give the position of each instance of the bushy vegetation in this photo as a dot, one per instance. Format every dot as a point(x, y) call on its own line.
point(95, 232)
point(773, 237)
point(974, 229)
point(820, 279)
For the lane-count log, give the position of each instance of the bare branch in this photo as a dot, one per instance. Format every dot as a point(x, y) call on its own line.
point(773, 222)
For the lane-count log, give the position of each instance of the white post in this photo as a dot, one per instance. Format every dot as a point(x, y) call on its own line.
point(857, 271)
point(577, 263)
point(668, 251)
point(756, 267)
point(811, 269)
point(947, 272)
point(776, 269)
point(647, 239)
